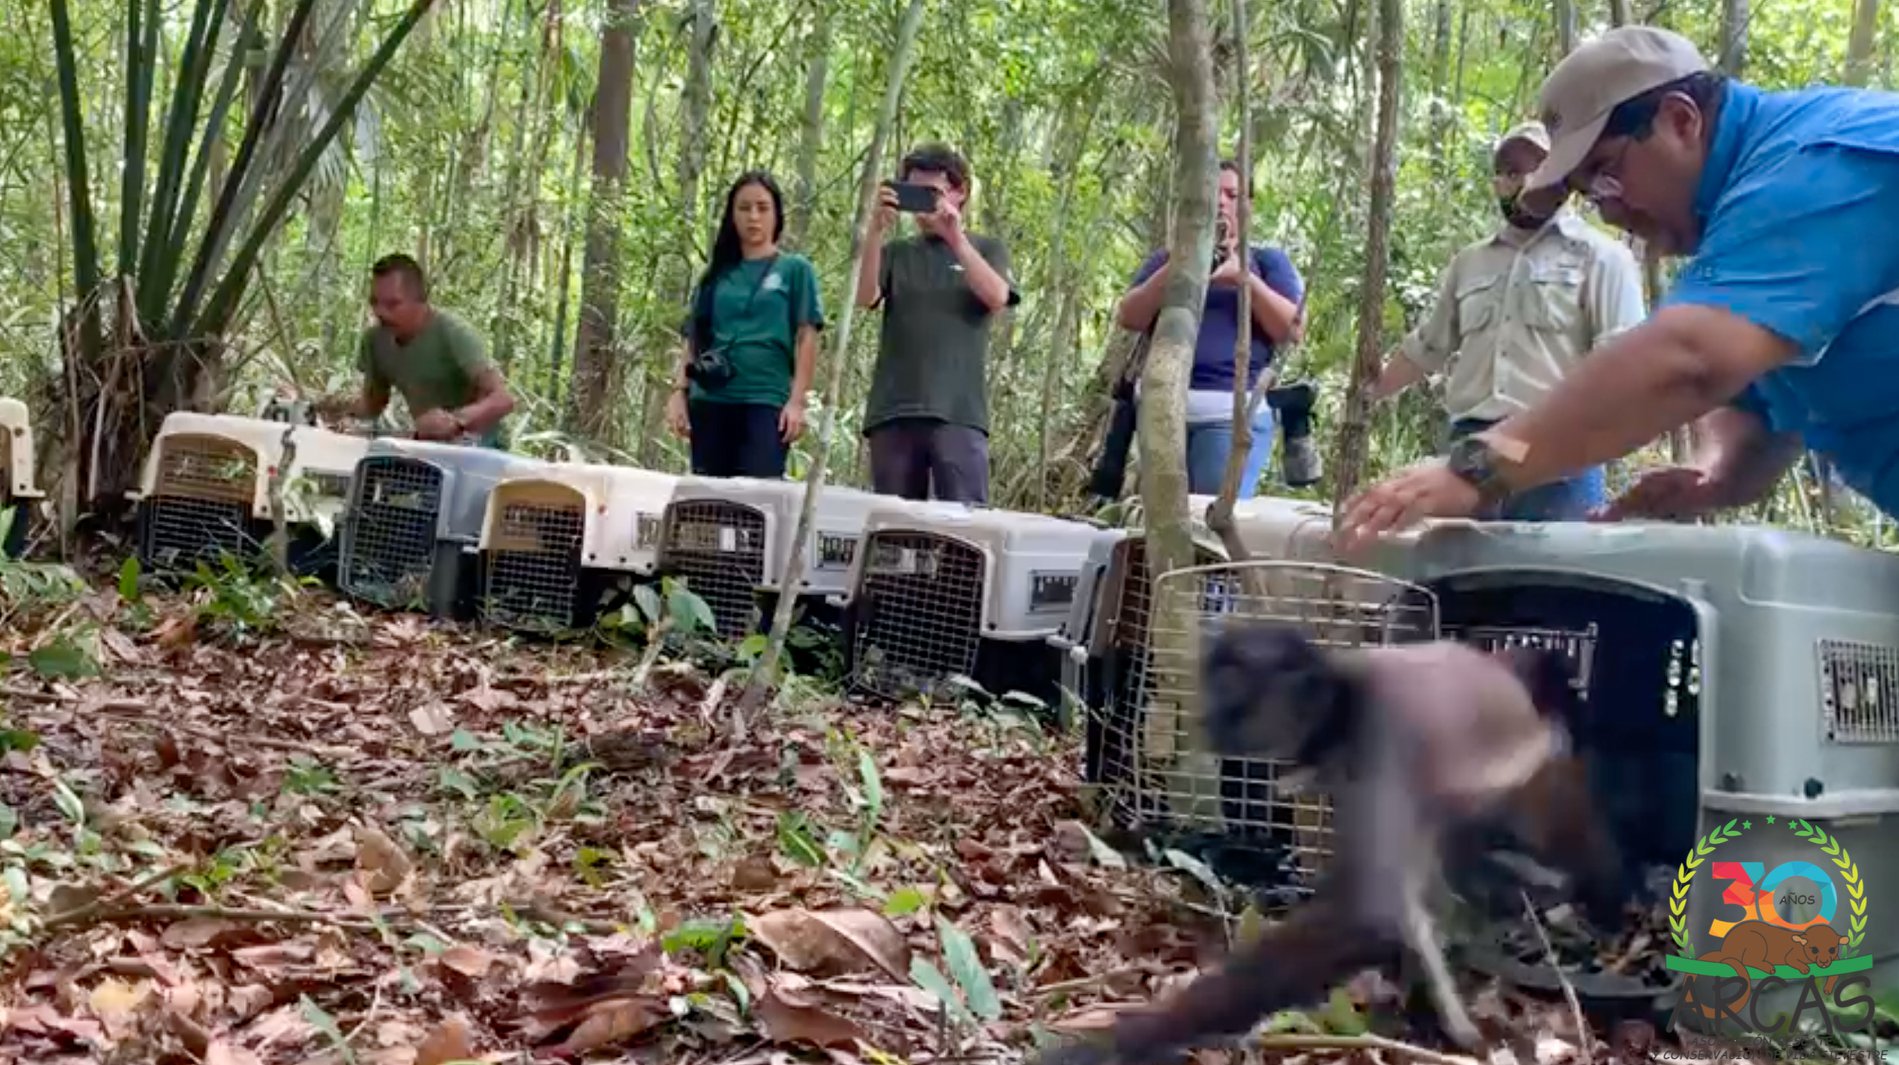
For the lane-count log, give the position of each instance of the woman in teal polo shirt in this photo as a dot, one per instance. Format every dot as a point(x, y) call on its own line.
point(751, 342)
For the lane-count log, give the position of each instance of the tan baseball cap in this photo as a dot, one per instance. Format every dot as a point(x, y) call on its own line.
point(1593, 80)
point(1531, 132)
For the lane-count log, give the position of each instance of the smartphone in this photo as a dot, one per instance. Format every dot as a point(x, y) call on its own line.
point(914, 198)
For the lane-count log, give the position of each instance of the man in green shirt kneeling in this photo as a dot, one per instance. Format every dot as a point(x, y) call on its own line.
point(434, 358)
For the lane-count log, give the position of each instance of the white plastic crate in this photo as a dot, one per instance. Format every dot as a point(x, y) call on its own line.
point(937, 587)
point(556, 538)
point(415, 518)
point(730, 538)
point(205, 488)
point(17, 459)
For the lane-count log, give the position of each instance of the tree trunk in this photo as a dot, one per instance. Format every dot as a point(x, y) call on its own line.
point(1734, 19)
point(1371, 305)
point(1859, 46)
point(595, 363)
point(811, 132)
point(1440, 86)
point(1220, 517)
point(695, 104)
point(762, 677)
point(1618, 12)
point(1565, 18)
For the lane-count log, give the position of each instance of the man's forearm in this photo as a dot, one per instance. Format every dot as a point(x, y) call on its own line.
point(1273, 313)
point(1398, 374)
point(989, 286)
point(1741, 456)
point(1640, 386)
point(484, 413)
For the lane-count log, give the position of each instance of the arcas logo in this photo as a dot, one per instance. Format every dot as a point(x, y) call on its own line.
point(1800, 924)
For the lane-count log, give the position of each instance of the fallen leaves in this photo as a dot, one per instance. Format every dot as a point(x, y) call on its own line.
point(834, 942)
point(467, 890)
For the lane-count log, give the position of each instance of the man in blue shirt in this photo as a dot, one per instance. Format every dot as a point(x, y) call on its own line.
point(1781, 330)
point(1278, 297)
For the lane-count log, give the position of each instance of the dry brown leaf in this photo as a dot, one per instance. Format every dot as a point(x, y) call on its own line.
point(223, 1052)
point(176, 631)
point(116, 998)
point(834, 941)
point(472, 962)
point(199, 932)
point(275, 955)
point(786, 1021)
point(435, 719)
point(610, 1021)
point(381, 860)
point(1090, 1019)
point(452, 1040)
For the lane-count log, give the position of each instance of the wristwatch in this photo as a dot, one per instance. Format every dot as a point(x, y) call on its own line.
point(1475, 461)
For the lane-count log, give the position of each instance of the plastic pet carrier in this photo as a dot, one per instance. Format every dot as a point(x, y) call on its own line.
point(729, 540)
point(942, 590)
point(17, 459)
point(1155, 774)
point(1729, 671)
point(563, 541)
point(205, 490)
point(414, 523)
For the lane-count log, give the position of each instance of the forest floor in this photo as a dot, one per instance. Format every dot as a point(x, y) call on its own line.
point(240, 830)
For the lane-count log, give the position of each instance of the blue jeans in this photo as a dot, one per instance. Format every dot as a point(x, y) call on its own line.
point(1567, 500)
point(1207, 445)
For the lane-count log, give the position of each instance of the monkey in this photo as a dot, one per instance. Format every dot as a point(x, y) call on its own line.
point(1413, 742)
point(1762, 946)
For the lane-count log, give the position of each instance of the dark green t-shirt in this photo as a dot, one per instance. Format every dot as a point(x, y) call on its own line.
point(758, 307)
point(437, 369)
point(935, 340)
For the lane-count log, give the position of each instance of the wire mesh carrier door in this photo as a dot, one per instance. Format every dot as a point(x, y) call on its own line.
point(919, 613)
point(1156, 770)
point(531, 562)
point(390, 536)
point(717, 547)
point(200, 504)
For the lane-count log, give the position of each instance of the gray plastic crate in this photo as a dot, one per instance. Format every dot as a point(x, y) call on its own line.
point(940, 590)
point(415, 519)
point(1731, 672)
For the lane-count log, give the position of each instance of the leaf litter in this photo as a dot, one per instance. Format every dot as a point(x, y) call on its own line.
point(377, 839)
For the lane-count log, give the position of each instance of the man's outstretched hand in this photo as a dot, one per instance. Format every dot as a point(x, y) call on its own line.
point(1426, 490)
point(436, 424)
point(1670, 493)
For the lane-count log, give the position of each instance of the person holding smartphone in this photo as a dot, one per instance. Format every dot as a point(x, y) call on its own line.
point(1278, 313)
point(927, 418)
point(751, 342)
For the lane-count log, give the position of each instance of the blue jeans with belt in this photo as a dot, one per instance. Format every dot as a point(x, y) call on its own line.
point(1566, 500)
point(1207, 445)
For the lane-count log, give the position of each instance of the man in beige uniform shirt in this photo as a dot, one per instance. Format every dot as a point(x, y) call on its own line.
point(1517, 311)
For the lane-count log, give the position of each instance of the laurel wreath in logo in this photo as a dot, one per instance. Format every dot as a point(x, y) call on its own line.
point(1685, 874)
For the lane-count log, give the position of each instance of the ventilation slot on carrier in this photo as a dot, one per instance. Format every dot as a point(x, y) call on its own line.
point(200, 507)
point(718, 549)
point(533, 565)
point(1859, 691)
point(922, 613)
point(389, 543)
point(1578, 646)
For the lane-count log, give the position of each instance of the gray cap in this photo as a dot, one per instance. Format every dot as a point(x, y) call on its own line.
point(1595, 79)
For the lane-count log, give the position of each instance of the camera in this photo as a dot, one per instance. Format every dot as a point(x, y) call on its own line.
point(710, 369)
point(1299, 455)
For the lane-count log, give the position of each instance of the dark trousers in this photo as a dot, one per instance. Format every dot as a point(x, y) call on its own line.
point(736, 440)
point(922, 458)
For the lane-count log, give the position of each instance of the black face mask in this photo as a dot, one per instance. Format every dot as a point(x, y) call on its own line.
point(1515, 214)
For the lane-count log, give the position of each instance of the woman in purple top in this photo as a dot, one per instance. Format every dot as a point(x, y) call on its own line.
point(1278, 302)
